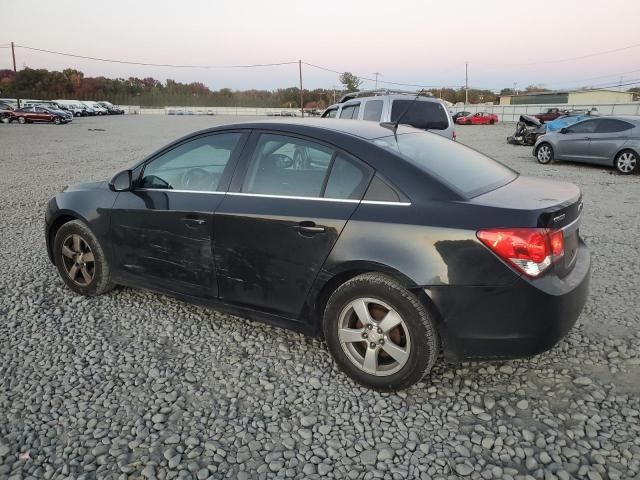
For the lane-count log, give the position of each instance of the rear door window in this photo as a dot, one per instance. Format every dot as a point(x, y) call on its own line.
point(287, 166)
point(421, 114)
point(611, 125)
point(373, 110)
point(348, 179)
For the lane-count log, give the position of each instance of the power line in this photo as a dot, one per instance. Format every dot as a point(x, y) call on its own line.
point(327, 69)
point(155, 64)
point(545, 62)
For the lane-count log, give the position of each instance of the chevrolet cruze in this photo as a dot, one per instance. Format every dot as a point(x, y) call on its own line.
point(391, 243)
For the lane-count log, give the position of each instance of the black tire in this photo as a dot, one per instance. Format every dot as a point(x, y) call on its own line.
point(57, 120)
point(99, 270)
point(626, 162)
point(420, 344)
point(491, 122)
point(22, 120)
point(544, 153)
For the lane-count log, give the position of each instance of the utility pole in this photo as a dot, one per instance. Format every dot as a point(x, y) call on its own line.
point(466, 83)
point(376, 74)
point(301, 95)
point(15, 71)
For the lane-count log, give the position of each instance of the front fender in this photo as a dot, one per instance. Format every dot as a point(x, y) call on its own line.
point(92, 206)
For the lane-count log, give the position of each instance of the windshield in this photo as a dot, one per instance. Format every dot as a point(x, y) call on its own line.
point(421, 114)
point(463, 169)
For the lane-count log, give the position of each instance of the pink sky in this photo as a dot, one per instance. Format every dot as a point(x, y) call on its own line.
point(408, 41)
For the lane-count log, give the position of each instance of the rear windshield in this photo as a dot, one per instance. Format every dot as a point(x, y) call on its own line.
point(461, 168)
point(421, 114)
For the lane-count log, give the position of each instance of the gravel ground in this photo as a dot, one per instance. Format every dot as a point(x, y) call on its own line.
point(137, 385)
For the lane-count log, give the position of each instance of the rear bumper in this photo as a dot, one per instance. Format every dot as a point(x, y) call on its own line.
point(518, 320)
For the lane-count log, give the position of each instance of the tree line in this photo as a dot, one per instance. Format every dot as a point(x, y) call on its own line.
point(149, 92)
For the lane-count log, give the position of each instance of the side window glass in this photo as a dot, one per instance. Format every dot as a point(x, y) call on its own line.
point(196, 165)
point(287, 166)
point(332, 113)
point(348, 179)
point(350, 111)
point(373, 110)
point(610, 125)
point(583, 127)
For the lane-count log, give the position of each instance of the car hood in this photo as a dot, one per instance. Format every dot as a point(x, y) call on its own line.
point(87, 186)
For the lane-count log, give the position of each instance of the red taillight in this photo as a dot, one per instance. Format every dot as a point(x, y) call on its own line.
point(530, 250)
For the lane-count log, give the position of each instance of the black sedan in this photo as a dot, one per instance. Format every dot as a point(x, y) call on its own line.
point(392, 245)
point(457, 115)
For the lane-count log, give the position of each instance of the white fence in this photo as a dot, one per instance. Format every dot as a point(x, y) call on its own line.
point(511, 113)
point(506, 113)
point(135, 109)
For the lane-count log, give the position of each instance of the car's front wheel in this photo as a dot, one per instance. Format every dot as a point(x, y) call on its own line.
point(544, 153)
point(379, 333)
point(626, 162)
point(57, 120)
point(22, 120)
point(80, 260)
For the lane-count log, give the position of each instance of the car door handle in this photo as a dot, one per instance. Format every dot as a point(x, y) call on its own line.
point(309, 228)
point(192, 222)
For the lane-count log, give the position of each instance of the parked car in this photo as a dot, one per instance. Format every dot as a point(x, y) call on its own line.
point(52, 106)
point(5, 112)
point(392, 245)
point(609, 141)
point(37, 114)
point(458, 115)
point(96, 107)
point(74, 107)
point(480, 118)
point(111, 108)
point(426, 113)
point(551, 114)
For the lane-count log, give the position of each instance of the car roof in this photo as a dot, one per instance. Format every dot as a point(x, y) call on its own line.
point(628, 118)
point(357, 128)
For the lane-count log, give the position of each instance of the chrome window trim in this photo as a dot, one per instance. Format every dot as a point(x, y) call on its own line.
point(292, 197)
point(178, 191)
point(284, 197)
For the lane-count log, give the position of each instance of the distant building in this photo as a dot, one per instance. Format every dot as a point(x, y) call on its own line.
point(583, 97)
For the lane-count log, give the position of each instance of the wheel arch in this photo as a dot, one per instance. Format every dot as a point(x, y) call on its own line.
point(623, 148)
point(328, 282)
point(61, 218)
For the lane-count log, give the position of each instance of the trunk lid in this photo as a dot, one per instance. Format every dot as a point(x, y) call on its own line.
point(537, 202)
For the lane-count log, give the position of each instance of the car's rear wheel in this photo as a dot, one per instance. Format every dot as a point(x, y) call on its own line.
point(379, 333)
point(491, 122)
point(626, 162)
point(22, 120)
point(544, 153)
point(80, 260)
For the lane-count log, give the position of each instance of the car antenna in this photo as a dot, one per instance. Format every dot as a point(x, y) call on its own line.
point(394, 125)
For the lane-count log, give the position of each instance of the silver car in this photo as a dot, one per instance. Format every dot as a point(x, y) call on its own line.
point(427, 113)
point(608, 141)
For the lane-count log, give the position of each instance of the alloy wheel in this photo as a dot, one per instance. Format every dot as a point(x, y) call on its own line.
point(78, 260)
point(544, 154)
point(626, 162)
point(374, 336)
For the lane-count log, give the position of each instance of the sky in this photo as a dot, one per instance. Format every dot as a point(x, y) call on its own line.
point(407, 41)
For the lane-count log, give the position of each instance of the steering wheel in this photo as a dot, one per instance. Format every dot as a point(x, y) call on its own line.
point(196, 178)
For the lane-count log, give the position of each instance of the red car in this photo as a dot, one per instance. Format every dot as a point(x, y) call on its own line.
point(551, 114)
point(36, 114)
point(480, 118)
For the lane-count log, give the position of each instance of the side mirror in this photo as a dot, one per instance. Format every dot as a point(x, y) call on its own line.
point(121, 182)
point(564, 130)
